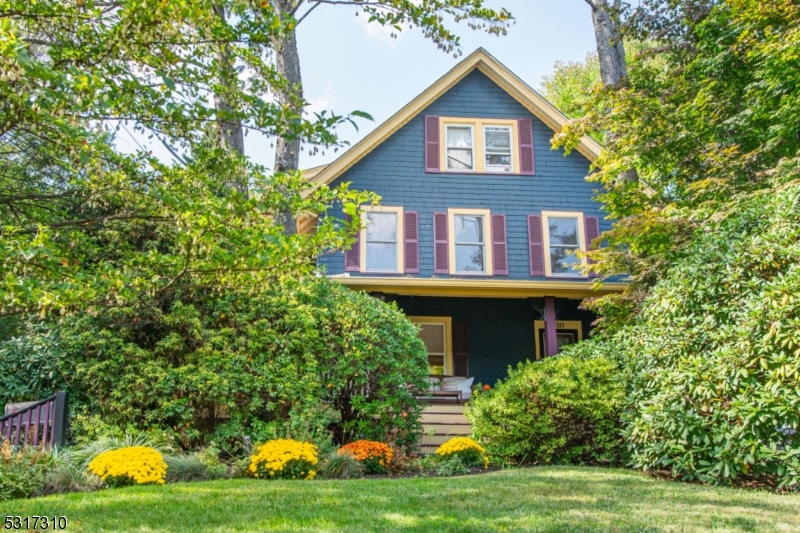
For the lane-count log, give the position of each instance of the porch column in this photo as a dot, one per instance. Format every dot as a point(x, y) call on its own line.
point(551, 341)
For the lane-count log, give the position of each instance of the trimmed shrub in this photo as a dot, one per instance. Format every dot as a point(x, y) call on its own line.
point(309, 360)
point(284, 459)
point(560, 410)
point(375, 457)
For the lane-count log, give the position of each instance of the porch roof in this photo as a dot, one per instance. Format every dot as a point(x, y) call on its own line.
point(479, 288)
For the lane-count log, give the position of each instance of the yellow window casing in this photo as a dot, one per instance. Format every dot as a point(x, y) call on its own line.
point(487, 237)
point(546, 240)
point(362, 241)
point(448, 344)
point(478, 152)
point(538, 327)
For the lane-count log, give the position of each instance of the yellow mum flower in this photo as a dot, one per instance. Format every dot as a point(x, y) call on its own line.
point(140, 465)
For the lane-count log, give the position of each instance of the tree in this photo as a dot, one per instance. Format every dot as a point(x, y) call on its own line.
point(86, 223)
point(429, 16)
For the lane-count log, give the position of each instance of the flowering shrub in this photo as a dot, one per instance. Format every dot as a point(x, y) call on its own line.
point(374, 456)
point(284, 459)
point(469, 452)
point(139, 465)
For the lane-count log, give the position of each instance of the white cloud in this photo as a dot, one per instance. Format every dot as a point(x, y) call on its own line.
point(321, 102)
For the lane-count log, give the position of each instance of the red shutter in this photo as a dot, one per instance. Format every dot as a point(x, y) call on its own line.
point(352, 257)
point(536, 245)
point(432, 144)
point(499, 245)
point(411, 230)
point(591, 230)
point(441, 250)
point(526, 147)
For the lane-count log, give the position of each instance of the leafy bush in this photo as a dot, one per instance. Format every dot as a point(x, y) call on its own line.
point(375, 457)
point(466, 450)
point(284, 459)
point(306, 360)
point(452, 465)
point(560, 410)
point(135, 465)
point(200, 466)
point(340, 466)
point(714, 383)
point(22, 472)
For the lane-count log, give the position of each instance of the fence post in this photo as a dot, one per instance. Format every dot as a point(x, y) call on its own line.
point(60, 420)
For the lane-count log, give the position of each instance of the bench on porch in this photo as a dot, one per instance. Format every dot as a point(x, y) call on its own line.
point(450, 389)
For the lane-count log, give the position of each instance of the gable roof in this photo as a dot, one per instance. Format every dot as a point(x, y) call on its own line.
point(494, 70)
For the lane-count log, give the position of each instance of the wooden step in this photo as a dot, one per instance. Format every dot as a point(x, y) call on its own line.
point(448, 429)
point(444, 419)
point(442, 408)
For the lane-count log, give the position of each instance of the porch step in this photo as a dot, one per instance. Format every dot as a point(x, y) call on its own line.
point(441, 423)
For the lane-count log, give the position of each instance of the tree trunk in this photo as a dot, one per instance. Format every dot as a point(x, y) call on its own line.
point(610, 44)
point(230, 131)
point(287, 63)
point(611, 52)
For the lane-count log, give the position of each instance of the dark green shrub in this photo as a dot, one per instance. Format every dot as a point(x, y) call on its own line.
point(561, 410)
point(715, 394)
point(304, 360)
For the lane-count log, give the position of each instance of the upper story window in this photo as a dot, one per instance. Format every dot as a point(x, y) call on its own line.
point(497, 142)
point(489, 146)
point(381, 239)
point(470, 249)
point(460, 147)
point(563, 237)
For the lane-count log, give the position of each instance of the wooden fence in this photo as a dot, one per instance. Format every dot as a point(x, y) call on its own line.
point(36, 423)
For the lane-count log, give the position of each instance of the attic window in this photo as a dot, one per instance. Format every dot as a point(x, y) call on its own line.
point(482, 145)
point(459, 147)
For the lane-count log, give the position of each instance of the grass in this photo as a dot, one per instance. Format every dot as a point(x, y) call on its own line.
point(546, 499)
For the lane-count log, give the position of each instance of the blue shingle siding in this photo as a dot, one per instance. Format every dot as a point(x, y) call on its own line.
point(396, 171)
point(499, 330)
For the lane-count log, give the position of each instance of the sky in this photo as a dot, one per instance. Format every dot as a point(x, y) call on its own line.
point(350, 64)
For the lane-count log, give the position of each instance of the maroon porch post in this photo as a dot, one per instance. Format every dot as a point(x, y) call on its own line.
point(551, 340)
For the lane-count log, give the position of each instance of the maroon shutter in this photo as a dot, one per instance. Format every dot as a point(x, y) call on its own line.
point(352, 257)
point(591, 230)
point(411, 230)
point(499, 246)
point(432, 144)
point(441, 251)
point(460, 349)
point(536, 245)
point(526, 147)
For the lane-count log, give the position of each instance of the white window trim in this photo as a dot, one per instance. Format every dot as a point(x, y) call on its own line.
point(487, 237)
point(478, 151)
point(499, 170)
point(474, 151)
point(546, 234)
point(448, 345)
point(362, 240)
point(538, 326)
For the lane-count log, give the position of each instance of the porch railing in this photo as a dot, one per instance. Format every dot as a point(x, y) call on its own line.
point(43, 422)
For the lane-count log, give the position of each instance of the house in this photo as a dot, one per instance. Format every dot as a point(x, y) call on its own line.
point(475, 235)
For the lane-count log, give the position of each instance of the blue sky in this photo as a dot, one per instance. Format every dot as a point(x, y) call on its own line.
point(349, 64)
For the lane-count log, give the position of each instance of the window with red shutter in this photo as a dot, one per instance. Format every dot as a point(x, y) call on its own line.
point(499, 245)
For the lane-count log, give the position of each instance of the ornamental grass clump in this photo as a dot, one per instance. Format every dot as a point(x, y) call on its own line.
point(284, 459)
point(468, 452)
point(374, 456)
point(133, 465)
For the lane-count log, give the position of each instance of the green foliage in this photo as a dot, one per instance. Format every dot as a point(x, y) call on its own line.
point(193, 467)
point(340, 466)
point(85, 224)
point(23, 471)
point(294, 361)
point(716, 353)
point(561, 410)
point(707, 114)
point(453, 465)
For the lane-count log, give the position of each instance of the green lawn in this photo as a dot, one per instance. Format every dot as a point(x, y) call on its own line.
point(556, 499)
